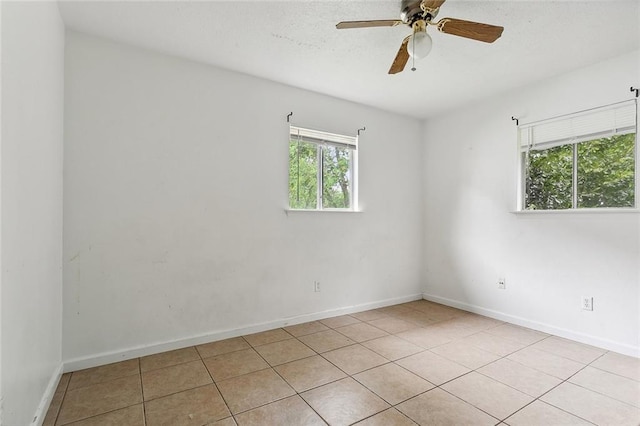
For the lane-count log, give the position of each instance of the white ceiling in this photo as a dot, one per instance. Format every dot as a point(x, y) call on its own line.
point(296, 43)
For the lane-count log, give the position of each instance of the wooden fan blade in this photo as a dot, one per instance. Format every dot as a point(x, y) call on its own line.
point(473, 30)
point(368, 24)
point(401, 58)
point(431, 4)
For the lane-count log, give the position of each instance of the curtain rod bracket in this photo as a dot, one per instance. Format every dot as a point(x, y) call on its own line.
point(516, 120)
point(634, 89)
point(361, 130)
point(289, 116)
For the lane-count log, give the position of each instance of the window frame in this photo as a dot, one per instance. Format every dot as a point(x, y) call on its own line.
point(574, 141)
point(321, 140)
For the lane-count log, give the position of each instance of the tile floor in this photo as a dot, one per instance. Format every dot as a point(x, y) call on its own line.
point(414, 363)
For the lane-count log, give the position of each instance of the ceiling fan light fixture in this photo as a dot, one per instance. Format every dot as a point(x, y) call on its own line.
point(419, 45)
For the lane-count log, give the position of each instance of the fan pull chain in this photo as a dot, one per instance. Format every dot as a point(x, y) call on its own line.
point(413, 58)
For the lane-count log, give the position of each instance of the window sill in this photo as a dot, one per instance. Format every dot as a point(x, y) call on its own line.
point(287, 211)
point(579, 211)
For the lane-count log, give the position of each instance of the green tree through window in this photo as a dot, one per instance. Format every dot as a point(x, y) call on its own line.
point(321, 172)
point(605, 175)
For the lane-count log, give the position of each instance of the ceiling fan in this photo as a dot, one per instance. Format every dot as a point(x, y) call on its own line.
point(417, 14)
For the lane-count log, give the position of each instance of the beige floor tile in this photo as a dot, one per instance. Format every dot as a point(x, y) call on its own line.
point(518, 376)
point(476, 322)
point(573, 350)
point(487, 394)
point(130, 416)
point(519, 334)
point(252, 390)
point(56, 401)
point(354, 359)
point(425, 338)
point(344, 402)
point(393, 383)
point(539, 413)
point(168, 380)
point(234, 364)
point(619, 364)
point(361, 332)
point(229, 421)
point(421, 319)
point(306, 328)
point(438, 407)
point(609, 384)
point(194, 406)
point(92, 376)
point(465, 354)
point(309, 373)
point(269, 336)
point(89, 401)
point(592, 406)
point(288, 411)
point(222, 347)
point(452, 329)
point(369, 315)
point(325, 341)
point(432, 367)
point(392, 347)
point(340, 321)
point(394, 310)
point(285, 351)
point(494, 344)
point(166, 359)
point(390, 417)
point(393, 324)
point(546, 362)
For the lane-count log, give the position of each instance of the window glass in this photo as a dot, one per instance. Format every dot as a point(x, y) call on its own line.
point(303, 175)
point(606, 172)
point(549, 178)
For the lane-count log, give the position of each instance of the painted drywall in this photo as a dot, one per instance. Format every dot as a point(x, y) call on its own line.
point(31, 192)
point(472, 237)
point(175, 188)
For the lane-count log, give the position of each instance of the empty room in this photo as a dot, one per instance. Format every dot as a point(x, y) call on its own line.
point(319, 212)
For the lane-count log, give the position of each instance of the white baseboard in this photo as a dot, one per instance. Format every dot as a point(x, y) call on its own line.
point(144, 350)
point(47, 397)
point(535, 325)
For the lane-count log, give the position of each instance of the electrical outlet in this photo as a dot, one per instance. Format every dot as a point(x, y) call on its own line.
point(502, 284)
point(587, 303)
point(316, 286)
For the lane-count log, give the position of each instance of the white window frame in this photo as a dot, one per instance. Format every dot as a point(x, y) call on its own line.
point(322, 139)
point(572, 129)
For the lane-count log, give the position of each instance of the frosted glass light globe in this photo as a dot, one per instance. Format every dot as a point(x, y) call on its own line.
point(419, 45)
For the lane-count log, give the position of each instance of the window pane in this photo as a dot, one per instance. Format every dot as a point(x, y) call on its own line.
point(606, 172)
point(548, 179)
point(303, 175)
point(336, 177)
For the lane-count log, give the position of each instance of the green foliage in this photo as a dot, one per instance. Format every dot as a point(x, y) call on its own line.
point(303, 176)
point(549, 178)
point(335, 181)
point(605, 174)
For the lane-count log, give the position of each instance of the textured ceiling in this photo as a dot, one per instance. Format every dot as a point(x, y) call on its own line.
point(296, 43)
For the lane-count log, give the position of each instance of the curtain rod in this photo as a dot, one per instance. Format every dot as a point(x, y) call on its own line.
point(571, 113)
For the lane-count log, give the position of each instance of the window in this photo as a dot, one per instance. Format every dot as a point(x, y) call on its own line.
point(583, 160)
point(322, 170)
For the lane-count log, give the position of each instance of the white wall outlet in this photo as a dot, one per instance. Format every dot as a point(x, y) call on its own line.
point(502, 283)
point(316, 286)
point(587, 303)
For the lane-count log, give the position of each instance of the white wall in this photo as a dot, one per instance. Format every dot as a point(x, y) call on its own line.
point(174, 193)
point(549, 260)
point(31, 195)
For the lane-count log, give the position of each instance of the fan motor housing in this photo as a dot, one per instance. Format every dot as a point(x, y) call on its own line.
point(411, 11)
